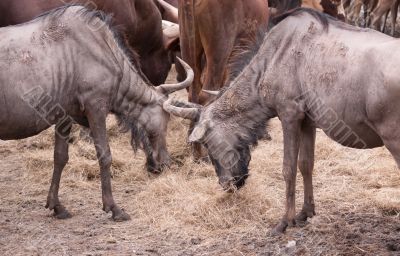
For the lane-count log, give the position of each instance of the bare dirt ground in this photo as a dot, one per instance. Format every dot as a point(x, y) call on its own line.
point(184, 212)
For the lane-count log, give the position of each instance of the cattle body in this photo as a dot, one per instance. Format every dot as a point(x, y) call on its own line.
point(353, 10)
point(332, 7)
point(173, 2)
point(311, 72)
point(213, 29)
point(382, 10)
point(169, 10)
point(139, 20)
point(69, 66)
point(210, 30)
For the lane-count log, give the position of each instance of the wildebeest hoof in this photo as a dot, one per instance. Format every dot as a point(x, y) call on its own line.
point(279, 229)
point(119, 216)
point(302, 216)
point(61, 213)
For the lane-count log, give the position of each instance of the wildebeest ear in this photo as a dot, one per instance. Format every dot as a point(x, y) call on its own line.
point(198, 133)
point(170, 35)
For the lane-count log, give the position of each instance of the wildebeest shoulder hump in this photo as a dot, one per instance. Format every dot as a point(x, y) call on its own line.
point(324, 19)
point(89, 15)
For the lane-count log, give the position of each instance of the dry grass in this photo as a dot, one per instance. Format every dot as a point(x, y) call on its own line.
point(183, 211)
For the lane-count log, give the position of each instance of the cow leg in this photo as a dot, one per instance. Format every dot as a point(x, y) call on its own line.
point(383, 28)
point(198, 150)
point(394, 9)
point(306, 166)
point(355, 14)
point(291, 140)
point(367, 16)
point(370, 6)
point(192, 52)
point(217, 48)
point(377, 14)
point(60, 160)
point(97, 123)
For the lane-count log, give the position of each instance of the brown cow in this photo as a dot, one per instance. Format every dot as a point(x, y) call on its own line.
point(173, 2)
point(209, 32)
point(212, 29)
point(331, 7)
point(354, 10)
point(140, 20)
point(168, 10)
point(382, 9)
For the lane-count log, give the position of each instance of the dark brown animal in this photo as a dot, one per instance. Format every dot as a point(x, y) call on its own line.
point(353, 10)
point(139, 20)
point(173, 2)
point(311, 72)
point(169, 10)
point(210, 30)
point(69, 66)
point(382, 10)
point(331, 7)
point(213, 29)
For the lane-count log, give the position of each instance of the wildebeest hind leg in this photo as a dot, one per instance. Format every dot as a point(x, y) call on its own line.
point(306, 166)
point(394, 147)
point(97, 123)
point(60, 160)
point(390, 137)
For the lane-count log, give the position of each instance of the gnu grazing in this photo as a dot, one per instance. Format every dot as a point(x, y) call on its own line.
point(56, 70)
point(306, 52)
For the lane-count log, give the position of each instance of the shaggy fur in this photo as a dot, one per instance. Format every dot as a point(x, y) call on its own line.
point(139, 136)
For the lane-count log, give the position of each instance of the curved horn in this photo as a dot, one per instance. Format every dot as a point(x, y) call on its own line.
point(214, 93)
point(187, 113)
point(170, 88)
point(170, 11)
point(165, 24)
point(170, 34)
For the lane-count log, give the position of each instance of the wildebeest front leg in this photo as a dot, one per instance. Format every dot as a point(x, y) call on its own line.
point(306, 166)
point(97, 123)
point(291, 140)
point(60, 160)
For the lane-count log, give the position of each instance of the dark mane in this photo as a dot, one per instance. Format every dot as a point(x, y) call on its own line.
point(119, 37)
point(324, 19)
point(139, 135)
point(247, 48)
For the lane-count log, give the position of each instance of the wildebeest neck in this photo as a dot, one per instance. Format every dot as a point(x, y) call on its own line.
point(240, 108)
point(133, 95)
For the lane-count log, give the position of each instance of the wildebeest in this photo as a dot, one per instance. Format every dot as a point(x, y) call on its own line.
point(139, 20)
point(70, 66)
point(312, 72)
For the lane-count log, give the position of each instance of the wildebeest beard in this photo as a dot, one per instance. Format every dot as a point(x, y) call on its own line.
point(139, 139)
point(241, 168)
